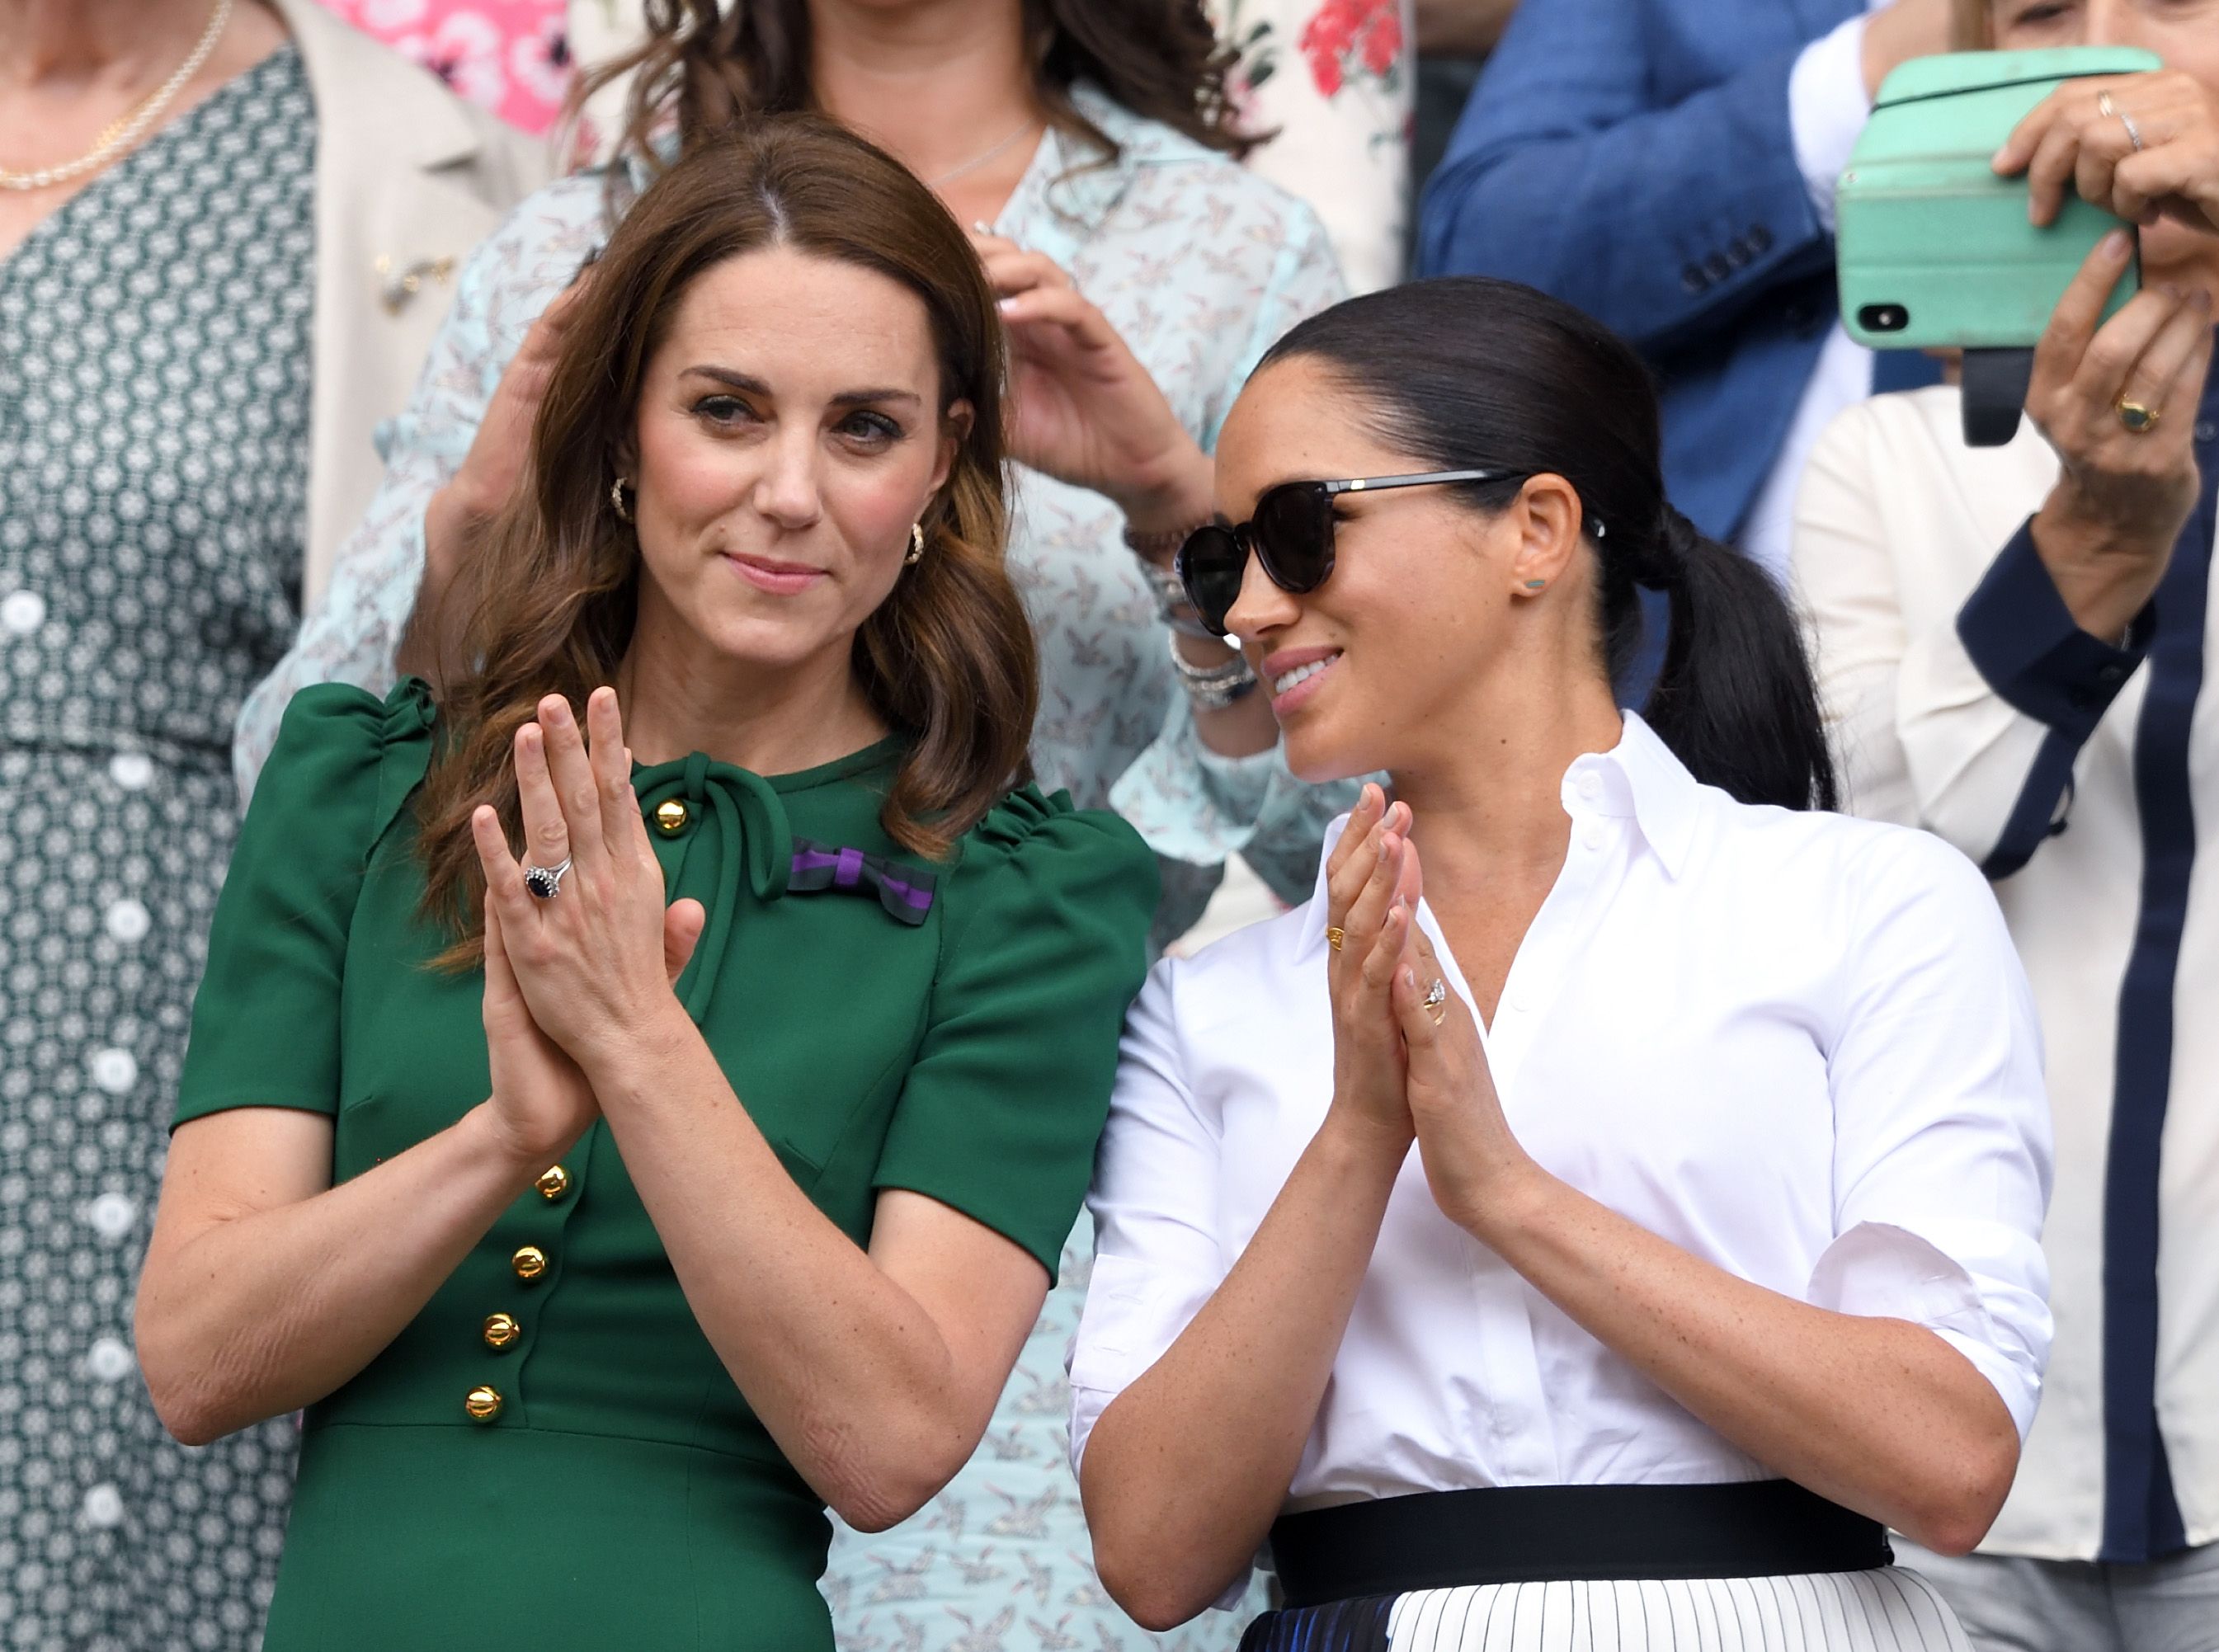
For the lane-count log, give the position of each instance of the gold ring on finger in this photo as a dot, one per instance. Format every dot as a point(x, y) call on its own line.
point(1335, 934)
point(1437, 1001)
point(2139, 417)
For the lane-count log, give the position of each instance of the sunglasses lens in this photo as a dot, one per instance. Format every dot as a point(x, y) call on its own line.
point(1294, 535)
point(1210, 566)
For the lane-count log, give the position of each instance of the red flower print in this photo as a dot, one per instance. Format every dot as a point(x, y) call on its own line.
point(1345, 33)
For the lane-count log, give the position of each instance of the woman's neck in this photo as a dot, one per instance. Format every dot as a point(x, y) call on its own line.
point(935, 84)
point(1487, 797)
point(86, 43)
point(680, 696)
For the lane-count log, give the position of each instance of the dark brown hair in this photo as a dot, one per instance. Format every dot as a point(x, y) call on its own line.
point(551, 588)
point(711, 65)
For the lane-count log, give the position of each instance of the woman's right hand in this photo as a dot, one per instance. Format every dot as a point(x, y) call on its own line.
point(1368, 899)
point(2108, 528)
point(541, 1102)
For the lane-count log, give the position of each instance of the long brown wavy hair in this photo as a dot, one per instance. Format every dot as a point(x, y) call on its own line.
point(550, 588)
point(710, 64)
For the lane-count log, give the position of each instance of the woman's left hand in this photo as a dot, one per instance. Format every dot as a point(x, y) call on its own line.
point(591, 961)
point(1084, 410)
point(2068, 142)
point(1474, 1163)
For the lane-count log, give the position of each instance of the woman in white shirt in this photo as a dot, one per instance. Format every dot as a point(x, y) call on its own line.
point(1719, 1248)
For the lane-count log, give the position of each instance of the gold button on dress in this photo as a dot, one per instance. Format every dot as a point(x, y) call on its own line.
point(483, 1403)
point(501, 1331)
point(554, 1184)
point(670, 816)
point(530, 1262)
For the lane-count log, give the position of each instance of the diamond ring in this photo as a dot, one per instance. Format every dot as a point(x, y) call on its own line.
point(546, 882)
point(1437, 1001)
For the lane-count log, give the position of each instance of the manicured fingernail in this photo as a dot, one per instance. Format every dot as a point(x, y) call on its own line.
point(982, 227)
point(1006, 306)
point(2114, 245)
point(1409, 977)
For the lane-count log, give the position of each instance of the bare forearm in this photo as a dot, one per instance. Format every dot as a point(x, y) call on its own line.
point(1222, 1418)
point(1880, 1415)
point(849, 1372)
point(256, 1315)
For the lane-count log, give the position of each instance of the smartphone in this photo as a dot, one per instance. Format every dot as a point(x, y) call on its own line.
point(1933, 250)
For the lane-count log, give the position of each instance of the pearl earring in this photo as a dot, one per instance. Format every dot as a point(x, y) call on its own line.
point(616, 501)
point(915, 545)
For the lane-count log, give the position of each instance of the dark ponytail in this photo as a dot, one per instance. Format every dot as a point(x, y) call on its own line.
point(1467, 372)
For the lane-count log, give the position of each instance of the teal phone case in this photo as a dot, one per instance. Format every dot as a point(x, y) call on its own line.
point(1933, 250)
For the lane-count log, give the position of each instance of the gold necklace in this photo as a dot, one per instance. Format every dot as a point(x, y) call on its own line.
point(127, 128)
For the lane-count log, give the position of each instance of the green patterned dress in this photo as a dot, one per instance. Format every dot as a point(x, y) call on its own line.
point(154, 380)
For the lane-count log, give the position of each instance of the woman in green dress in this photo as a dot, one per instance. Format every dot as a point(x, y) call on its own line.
point(637, 1099)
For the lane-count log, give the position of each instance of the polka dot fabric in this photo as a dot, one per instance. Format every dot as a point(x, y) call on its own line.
point(154, 380)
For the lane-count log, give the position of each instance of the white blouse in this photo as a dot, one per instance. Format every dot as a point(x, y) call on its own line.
point(1798, 1045)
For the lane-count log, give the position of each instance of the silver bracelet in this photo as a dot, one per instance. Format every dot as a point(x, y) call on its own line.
point(1212, 689)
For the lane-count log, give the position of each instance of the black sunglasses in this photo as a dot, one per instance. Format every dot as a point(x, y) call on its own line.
point(1290, 533)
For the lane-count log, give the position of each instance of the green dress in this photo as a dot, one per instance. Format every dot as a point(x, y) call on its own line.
point(949, 1030)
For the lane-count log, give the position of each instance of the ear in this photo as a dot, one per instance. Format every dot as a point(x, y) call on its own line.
point(954, 431)
point(1548, 519)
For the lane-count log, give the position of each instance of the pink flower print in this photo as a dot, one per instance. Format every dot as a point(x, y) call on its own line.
point(1340, 34)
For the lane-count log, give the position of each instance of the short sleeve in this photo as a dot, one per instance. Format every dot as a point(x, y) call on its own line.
point(1944, 1153)
point(1005, 1102)
point(265, 1021)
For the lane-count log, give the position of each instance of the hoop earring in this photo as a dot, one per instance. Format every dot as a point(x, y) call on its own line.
point(915, 545)
point(617, 500)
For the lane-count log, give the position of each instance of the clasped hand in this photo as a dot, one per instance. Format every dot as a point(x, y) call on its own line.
point(1403, 1068)
point(570, 979)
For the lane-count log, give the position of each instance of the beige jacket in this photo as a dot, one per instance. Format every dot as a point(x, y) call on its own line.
point(410, 179)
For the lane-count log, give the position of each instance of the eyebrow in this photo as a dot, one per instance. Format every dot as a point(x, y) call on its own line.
point(753, 386)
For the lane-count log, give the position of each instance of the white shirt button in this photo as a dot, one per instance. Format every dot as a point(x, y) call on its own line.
point(112, 1215)
point(24, 612)
point(1591, 785)
point(128, 920)
point(114, 1070)
point(103, 1506)
point(132, 770)
point(108, 1360)
point(1592, 835)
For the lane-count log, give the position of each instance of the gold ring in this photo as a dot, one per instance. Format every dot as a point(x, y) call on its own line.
point(1437, 1001)
point(2140, 419)
point(1335, 934)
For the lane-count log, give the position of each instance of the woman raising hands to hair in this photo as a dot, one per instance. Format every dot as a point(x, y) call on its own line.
point(1717, 1249)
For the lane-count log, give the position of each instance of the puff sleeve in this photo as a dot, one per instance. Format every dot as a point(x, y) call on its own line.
point(1001, 1110)
point(265, 1028)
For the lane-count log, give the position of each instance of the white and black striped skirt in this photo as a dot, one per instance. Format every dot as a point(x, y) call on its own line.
point(1760, 1568)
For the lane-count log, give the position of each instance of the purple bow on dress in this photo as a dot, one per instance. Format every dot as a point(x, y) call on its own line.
point(905, 891)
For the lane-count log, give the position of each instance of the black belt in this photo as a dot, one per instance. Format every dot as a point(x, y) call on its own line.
point(1548, 1534)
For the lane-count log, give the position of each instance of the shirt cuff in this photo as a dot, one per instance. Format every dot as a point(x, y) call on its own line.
point(2022, 638)
point(1827, 108)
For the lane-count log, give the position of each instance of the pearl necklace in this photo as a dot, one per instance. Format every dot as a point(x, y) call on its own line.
point(126, 129)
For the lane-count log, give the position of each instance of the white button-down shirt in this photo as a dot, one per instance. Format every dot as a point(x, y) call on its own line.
point(2085, 778)
point(1797, 1045)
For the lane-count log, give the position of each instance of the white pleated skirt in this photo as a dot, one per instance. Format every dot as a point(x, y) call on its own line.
point(1887, 1610)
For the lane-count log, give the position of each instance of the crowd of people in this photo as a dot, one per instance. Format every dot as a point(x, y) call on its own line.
point(613, 771)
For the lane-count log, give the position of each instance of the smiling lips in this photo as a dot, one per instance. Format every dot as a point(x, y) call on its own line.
point(1293, 674)
point(779, 579)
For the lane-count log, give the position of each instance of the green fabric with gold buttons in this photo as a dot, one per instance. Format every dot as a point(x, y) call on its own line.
point(552, 1453)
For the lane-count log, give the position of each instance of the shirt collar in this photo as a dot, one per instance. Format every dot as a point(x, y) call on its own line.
point(1638, 780)
point(1069, 190)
